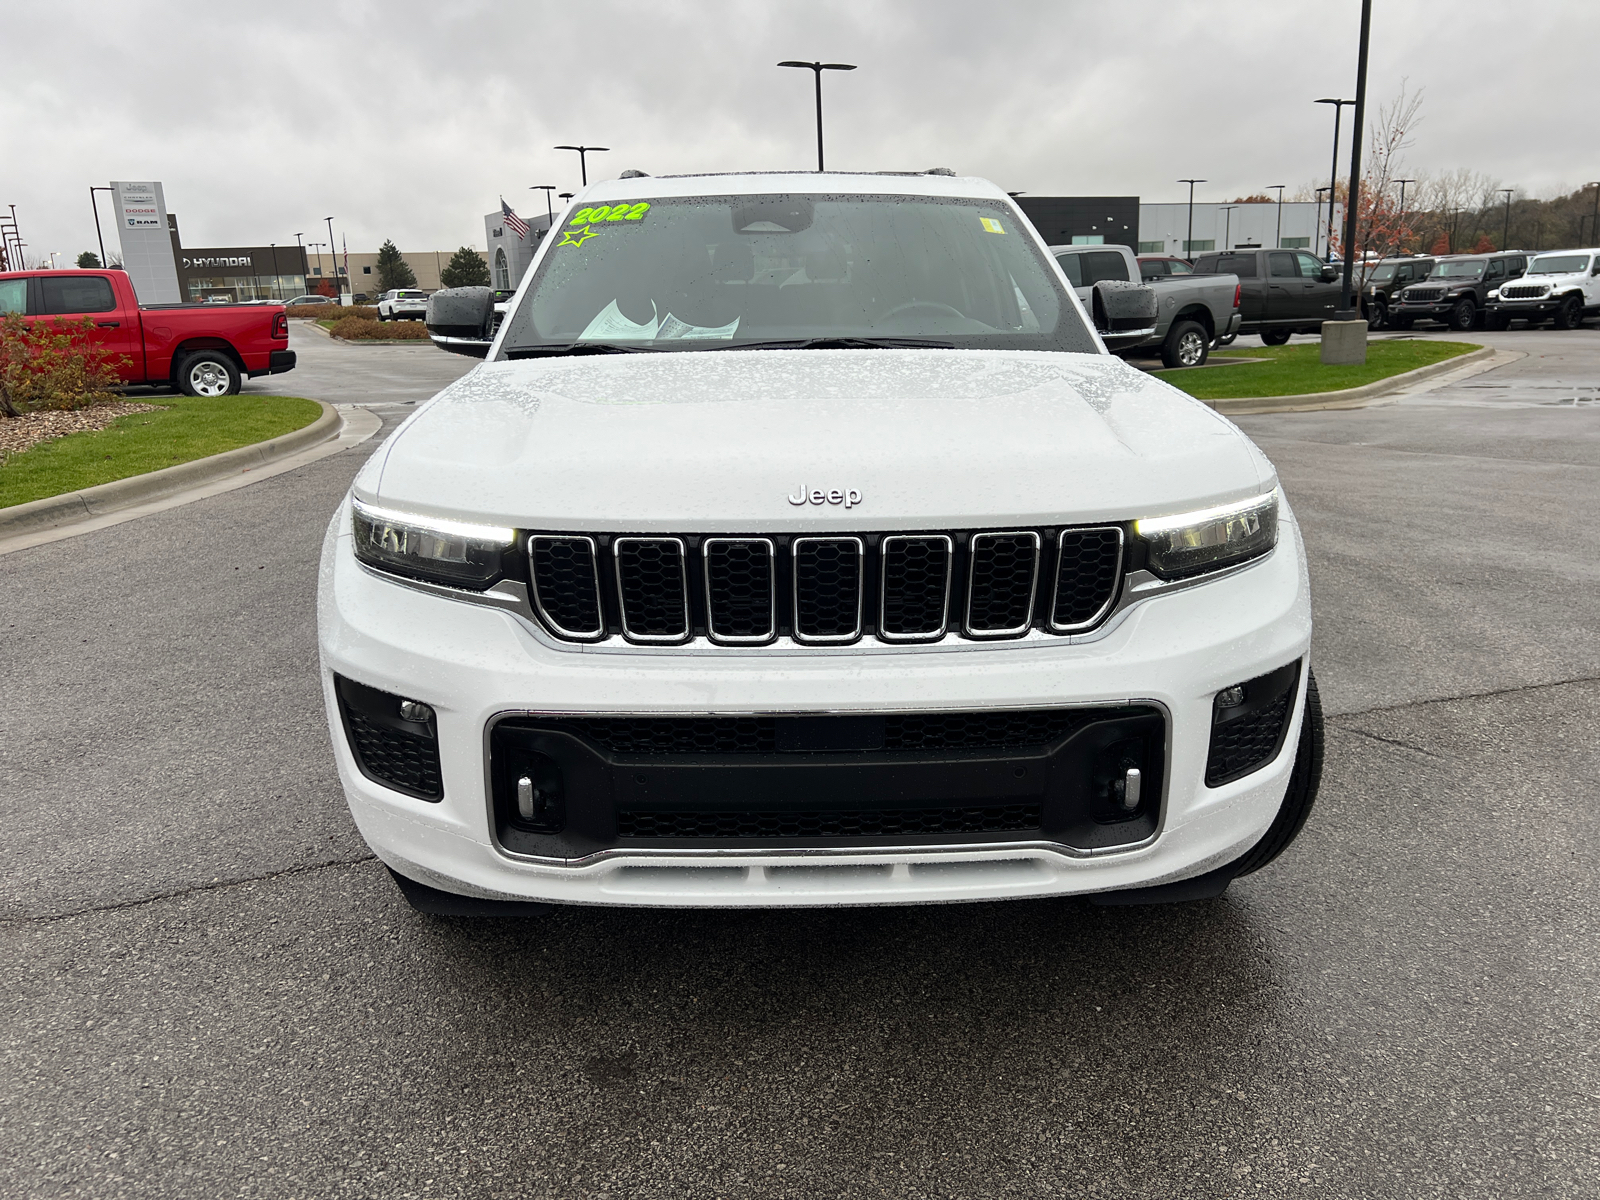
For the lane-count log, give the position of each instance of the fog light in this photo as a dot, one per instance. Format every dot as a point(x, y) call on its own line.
point(415, 710)
point(1230, 697)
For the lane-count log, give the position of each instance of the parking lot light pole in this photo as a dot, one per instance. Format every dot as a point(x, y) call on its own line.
point(1227, 226)
point(1402, 214)
point(97, 234)
point(1333, 178)
point(1278, 244)
point(338, 285)
point(818, 68)
point(1188, 242)
point(299, 241)
point(1352, 201)
point(1505, 235)
point(1325, 251)
point(549, 206)
point(583, 158)
point(1594, 226)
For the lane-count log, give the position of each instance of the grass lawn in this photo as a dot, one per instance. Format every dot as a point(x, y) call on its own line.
point(189, 427)
point(1296, 370)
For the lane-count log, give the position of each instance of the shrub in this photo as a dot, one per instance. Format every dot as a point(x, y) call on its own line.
point(363, 329)
point(333, 312)
point(53, 365)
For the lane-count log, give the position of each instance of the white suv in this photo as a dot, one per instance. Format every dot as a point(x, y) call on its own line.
point(1561, 284)
point(799, 543)
point(402, 305)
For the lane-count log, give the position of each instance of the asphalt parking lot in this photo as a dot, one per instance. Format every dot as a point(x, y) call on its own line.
point(211, 988)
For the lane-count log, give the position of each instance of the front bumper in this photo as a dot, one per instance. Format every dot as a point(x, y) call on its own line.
point(1513, 309)
point(1436, 310)
point(476, 665)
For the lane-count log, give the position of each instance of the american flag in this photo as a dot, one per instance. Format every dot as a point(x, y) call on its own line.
point(517, 224)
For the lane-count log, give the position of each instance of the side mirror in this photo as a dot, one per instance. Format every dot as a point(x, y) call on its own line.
point(460, 320)
point(1329, 274)
point(1124, 314)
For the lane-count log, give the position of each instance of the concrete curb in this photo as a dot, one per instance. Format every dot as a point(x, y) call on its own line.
point(137, 489)
point(1356, 397)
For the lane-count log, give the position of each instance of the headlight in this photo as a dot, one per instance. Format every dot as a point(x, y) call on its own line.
point(449, 552)
point(1211, 539)
point(1494, 293)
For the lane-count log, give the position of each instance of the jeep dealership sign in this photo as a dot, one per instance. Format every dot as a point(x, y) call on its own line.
point(146, 245)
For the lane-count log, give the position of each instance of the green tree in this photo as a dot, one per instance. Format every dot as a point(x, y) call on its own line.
point(88, 259)
point(392, 269)
point(465, 269)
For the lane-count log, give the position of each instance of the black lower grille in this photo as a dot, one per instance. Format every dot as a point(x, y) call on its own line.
point(400, 754)
point(1251, 739)
point(721, 736)
point(825, 823)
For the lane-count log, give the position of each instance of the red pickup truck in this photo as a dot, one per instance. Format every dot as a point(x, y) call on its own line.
point(200, 349)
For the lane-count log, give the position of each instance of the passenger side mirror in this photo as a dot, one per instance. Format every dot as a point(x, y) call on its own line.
point(1329, 273)
point(1124, 314)
point(460, 320)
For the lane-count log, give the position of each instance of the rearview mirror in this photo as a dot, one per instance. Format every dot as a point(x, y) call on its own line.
point(1124, 314)
point(460, 320)
point(1329, 274)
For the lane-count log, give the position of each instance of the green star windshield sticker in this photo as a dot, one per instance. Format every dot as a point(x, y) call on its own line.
point(576, 237)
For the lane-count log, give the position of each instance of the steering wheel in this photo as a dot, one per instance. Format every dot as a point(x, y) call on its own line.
point(931, 305)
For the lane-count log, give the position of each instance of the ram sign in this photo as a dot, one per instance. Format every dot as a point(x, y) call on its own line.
point(146, 245)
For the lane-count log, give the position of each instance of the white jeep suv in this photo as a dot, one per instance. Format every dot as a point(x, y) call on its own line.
point(799, 543)
point(1563, 285)
point(401, 304)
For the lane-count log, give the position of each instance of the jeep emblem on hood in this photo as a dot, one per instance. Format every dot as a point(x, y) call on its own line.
point(849, 497)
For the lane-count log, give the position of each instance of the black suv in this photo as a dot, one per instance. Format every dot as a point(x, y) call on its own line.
point(1455, 292)
point(1387, 278)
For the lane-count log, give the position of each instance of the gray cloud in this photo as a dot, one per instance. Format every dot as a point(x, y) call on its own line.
point(407, 120)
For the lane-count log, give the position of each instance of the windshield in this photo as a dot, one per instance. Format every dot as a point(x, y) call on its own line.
point(1384, 273)
point(721, 272)
point(1458, 270)
point(1559, 264)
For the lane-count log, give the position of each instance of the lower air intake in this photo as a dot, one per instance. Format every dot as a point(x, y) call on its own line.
point(823, 823)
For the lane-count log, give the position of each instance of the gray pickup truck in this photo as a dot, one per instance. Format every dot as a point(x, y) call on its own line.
point(1192, 312)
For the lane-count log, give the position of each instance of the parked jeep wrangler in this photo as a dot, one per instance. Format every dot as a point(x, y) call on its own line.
point(1457, 290)
point(1387, 278)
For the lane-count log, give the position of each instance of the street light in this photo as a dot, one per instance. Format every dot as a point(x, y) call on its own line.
point(317, 246)
point(98, 236)
point(299, 242)
point(818, 68)
point(1333, 178)
point(1279, 243)
point(1227, 226)
point(338, 286)
point(1505, 236)
point(583, 158)
point(1352, 200)
point(1594, 226)
point(550, 211)
point(1402, 214)
point(1188, 243)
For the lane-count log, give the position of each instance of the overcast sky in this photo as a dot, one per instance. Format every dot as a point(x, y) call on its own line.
point(408, 120)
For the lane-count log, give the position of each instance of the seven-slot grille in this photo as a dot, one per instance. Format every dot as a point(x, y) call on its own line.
point(1421, 295)
point(825, 590)
point(1523, 291)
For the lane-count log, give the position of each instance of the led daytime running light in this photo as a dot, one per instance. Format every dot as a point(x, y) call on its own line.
point(491, 534)
point(1154, 526)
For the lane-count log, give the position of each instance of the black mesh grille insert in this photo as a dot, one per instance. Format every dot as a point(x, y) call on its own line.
point(1087, 574)
point(827, 588)
point(916, 576)
point(739, 588)
point(1241, 746)
point(1003, 572)
point(982, 730)
point(404, 760)
point(564, 584)
point(650, 578)
point(824, 823)
point(673, 735)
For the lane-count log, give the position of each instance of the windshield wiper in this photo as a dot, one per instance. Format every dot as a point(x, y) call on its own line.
point(844, 343)
point(576, 348)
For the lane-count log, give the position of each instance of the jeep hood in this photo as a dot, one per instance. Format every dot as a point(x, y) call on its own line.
point(719, 441)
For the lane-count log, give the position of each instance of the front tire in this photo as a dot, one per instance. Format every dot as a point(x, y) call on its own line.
point(1302, 794)
point(1462, 314)
point(1277, 337)
point(1570, 314)
point(209, 374)
point(1377, 315)
point(1186, 346)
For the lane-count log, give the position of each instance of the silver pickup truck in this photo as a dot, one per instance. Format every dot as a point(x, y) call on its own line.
point(1192, 312)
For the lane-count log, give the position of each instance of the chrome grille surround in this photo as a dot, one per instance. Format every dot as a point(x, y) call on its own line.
point(1018, 537)
point(1110, 601)
point(799, 547)
point(710, 548)
point(901, 542)
point(546, 544)
point(622, 547)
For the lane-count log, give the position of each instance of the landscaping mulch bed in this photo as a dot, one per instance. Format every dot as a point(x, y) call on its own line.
point(22, 433)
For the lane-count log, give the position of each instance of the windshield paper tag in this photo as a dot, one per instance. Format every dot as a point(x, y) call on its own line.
point(991, 224)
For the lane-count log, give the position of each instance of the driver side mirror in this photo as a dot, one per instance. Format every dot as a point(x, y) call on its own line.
point(1124, 314)
point(460, 320)
point(1329, 273)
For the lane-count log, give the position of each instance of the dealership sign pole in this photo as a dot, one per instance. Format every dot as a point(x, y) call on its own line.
point(146, 242)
